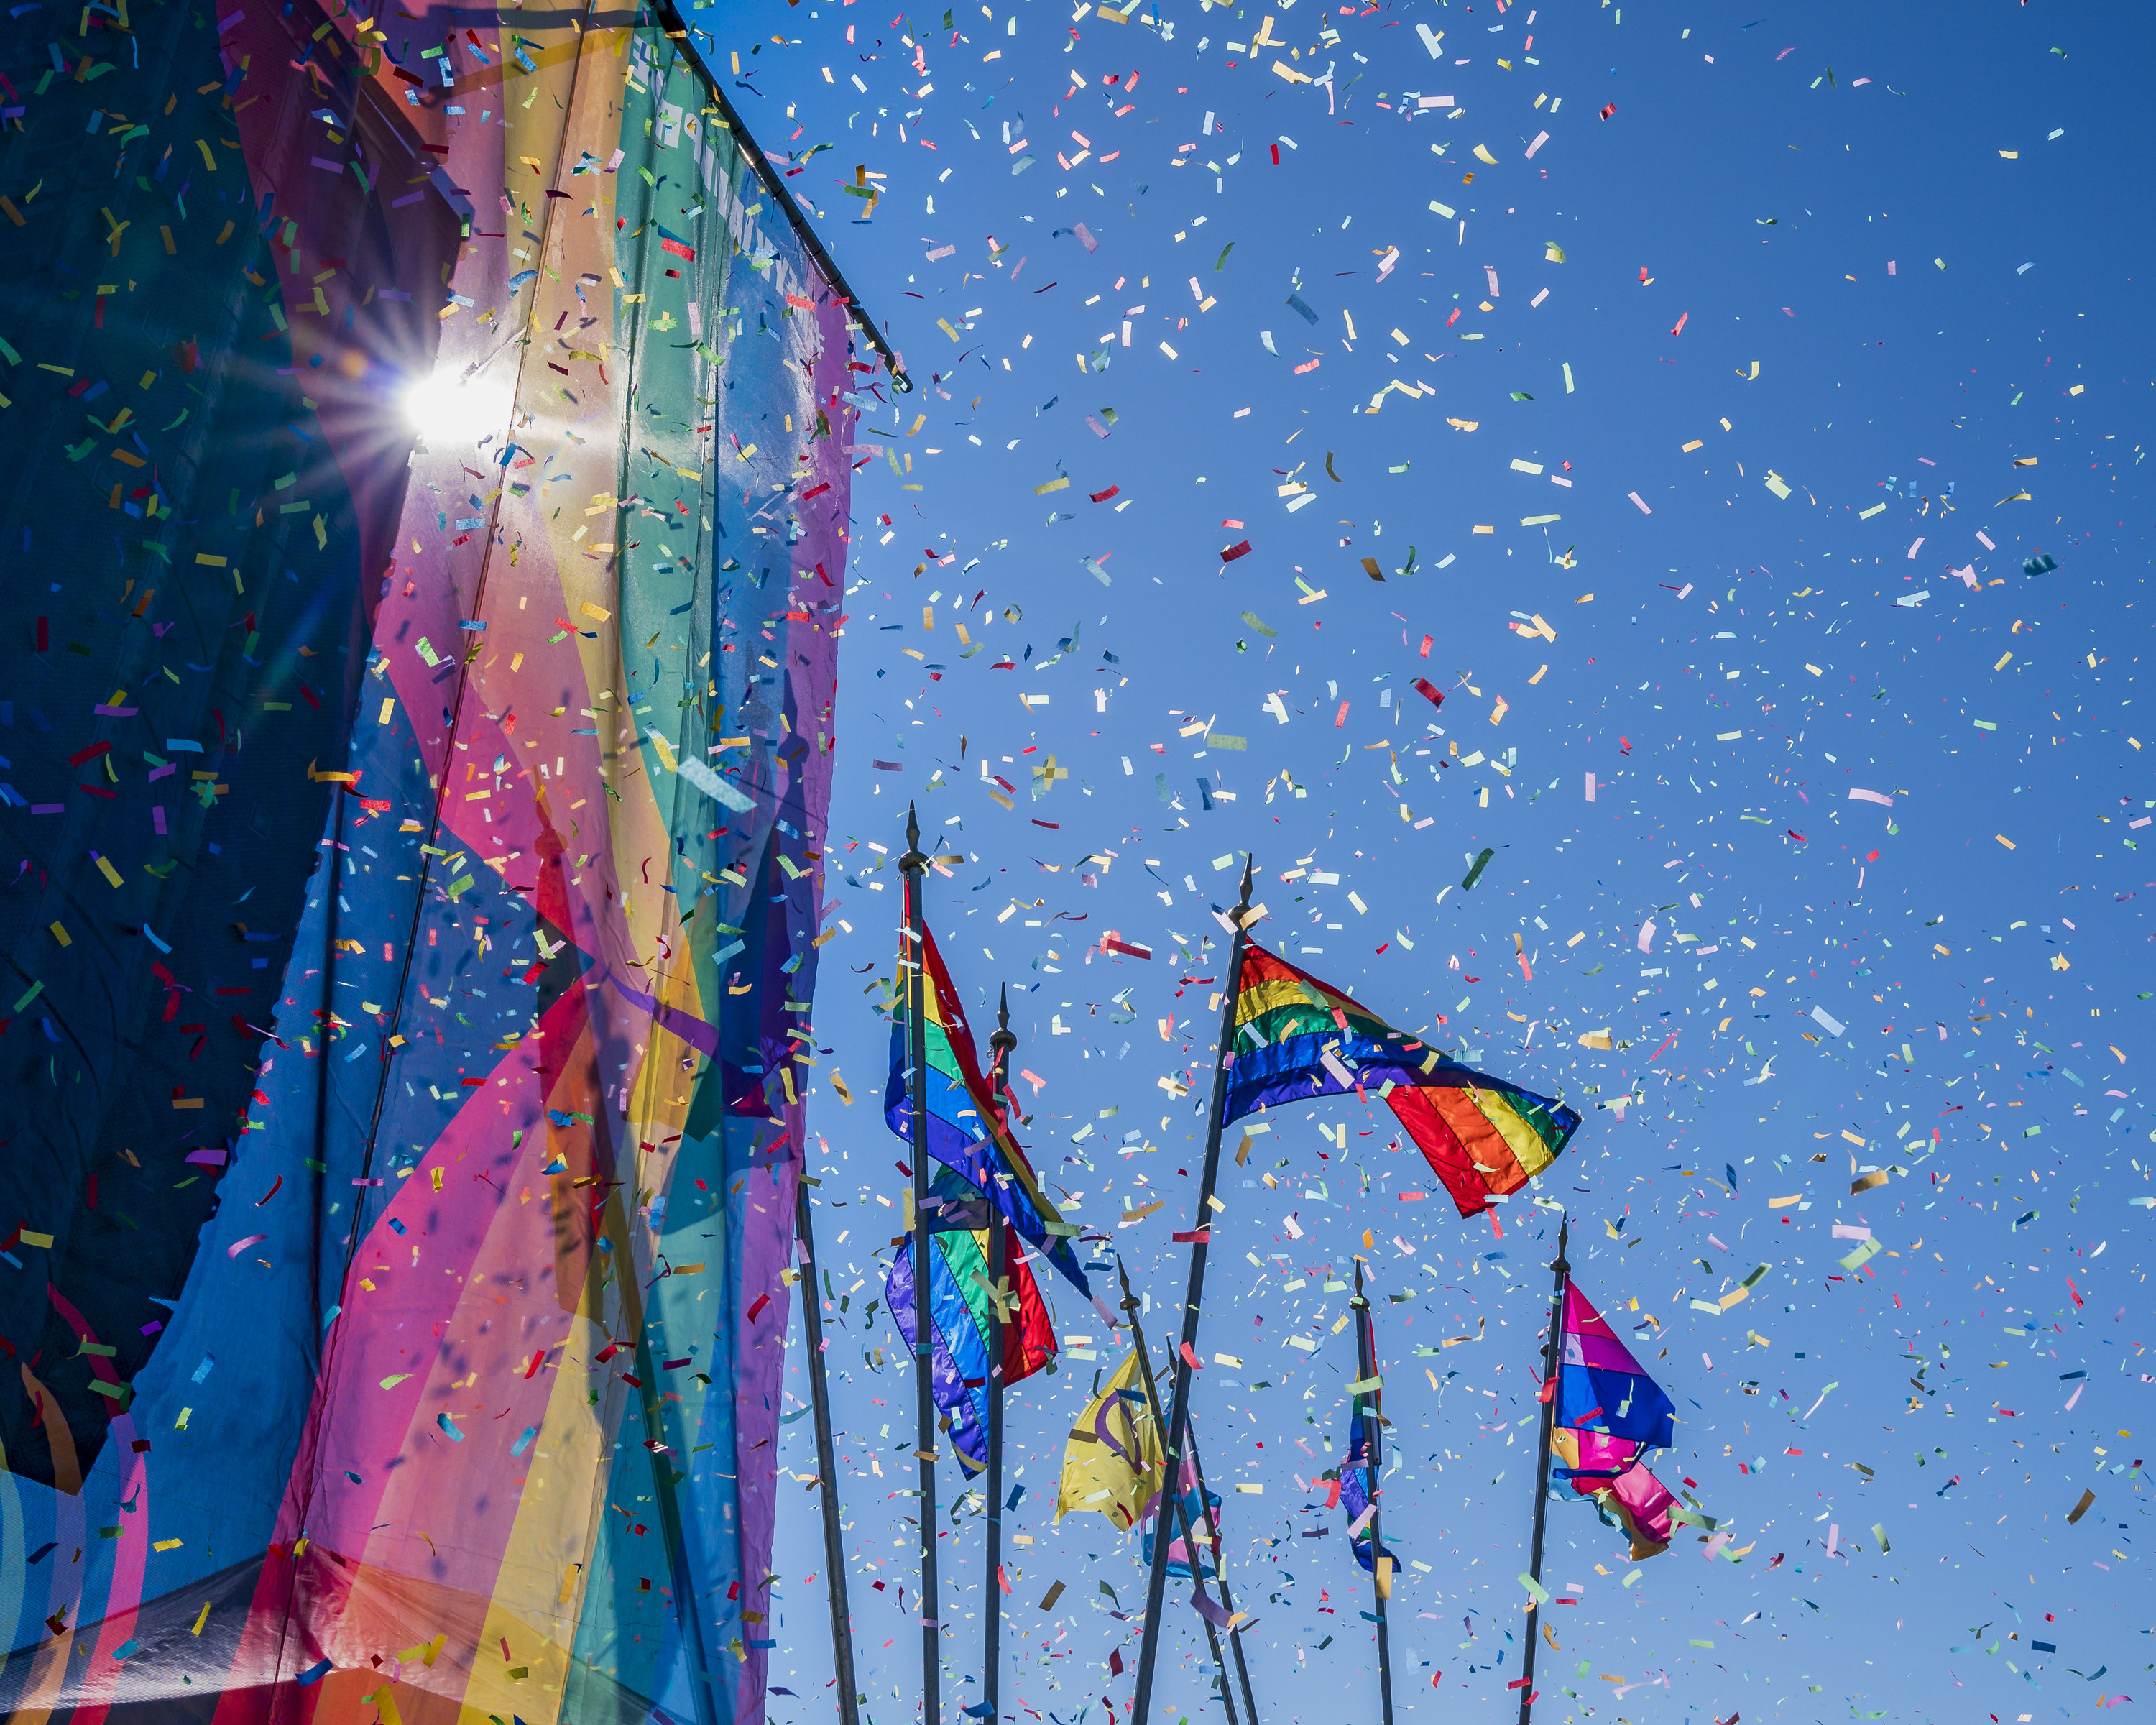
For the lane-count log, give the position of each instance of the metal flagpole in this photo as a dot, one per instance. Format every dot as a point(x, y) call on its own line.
point(1157, 1583)
point(1171, 1491)
point(1220, 1567)
point(1552, 1348)
point(1000, 1044)
point(827, 1464)
point(914, 867)
point(1369, 1415)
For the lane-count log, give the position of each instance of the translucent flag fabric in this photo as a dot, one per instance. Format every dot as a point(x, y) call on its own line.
point(434, 866)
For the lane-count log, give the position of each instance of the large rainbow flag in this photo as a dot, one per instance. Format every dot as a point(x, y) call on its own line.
point(1296, 1037)
point(404, 1010)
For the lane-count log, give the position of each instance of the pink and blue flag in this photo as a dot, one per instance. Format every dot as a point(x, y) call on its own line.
point(1609, 1413)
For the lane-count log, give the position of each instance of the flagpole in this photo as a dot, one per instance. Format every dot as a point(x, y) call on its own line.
point(1000, 1044)
point(1156, 1583)
point(1171, 1491)
point(1220, 1572)
point(1553, 1345)
point(827, 1463)
point(914, 866)
point(1368, 1404)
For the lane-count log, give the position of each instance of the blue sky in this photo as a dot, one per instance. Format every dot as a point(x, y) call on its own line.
point(1762, 326)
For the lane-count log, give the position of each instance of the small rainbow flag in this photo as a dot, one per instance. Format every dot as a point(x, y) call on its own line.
point(1296, 1037)
point(965, 1134)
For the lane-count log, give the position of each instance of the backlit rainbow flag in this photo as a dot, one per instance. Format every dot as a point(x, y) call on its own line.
point(416, 1176)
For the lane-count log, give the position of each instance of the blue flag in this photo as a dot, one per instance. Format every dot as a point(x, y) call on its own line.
point(1355, 1482)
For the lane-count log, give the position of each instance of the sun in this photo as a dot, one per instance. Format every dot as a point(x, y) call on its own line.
point(452, 410)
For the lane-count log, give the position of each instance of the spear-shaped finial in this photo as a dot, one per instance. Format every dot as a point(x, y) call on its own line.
point(1358, 1301)
point(1249, 875)
point(1563, 1232)
point(1131, 1301)
point(1001, 1043)
point(913, 862)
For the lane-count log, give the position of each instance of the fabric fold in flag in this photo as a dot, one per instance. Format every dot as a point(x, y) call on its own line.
point(1609, 1414)
point(1296, 1037)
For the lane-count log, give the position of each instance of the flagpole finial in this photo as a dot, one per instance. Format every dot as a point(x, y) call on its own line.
point(1563, 1234)
point(1358, 1301)
point(1003, 1036)
point(913, 861)
point(1122, 1274)
point(1249, 875)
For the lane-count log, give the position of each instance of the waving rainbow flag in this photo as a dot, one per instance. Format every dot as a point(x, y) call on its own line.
point(965, 1133)
point(983, 1181)
point(1296, 1037)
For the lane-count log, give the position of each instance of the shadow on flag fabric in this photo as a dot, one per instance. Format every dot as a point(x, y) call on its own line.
point(962, 1308)
point(1297, 1037)
point(1355, 1490)
point(964, 1134)
point(1112, 1460)
point(1609, 1414)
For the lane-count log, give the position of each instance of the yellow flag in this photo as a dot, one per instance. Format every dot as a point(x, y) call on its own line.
point(1118, 1478)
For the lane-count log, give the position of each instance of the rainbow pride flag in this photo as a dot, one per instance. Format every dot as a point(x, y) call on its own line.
point(1609, 1413)
point(965, 1134)
point(982, 1180)
point(1297, 1037)
point(961, 1319)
